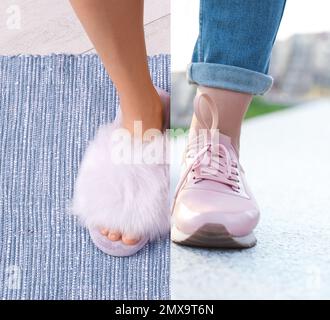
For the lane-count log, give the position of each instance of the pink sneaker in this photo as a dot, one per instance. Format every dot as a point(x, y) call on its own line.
point(213, 206)
point(131, 198)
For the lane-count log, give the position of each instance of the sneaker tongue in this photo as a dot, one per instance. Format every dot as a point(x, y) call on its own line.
point(225, 140)
point(219, 138)
point(216, 138)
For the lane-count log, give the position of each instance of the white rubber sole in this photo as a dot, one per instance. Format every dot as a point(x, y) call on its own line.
point(212, 236)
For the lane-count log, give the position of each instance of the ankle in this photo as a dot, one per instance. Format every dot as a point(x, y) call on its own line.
point(148, 109)
point(231, 108)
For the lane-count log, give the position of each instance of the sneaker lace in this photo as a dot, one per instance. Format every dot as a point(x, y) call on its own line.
point(209, 160)
point(213, 162)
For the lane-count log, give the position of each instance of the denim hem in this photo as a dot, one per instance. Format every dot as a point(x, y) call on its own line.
point(229, 77)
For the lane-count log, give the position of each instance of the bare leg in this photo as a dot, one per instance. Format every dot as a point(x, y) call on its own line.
point(116, 29)
point(232, 107)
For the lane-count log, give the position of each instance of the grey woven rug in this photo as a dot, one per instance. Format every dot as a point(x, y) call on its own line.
point(50, 107)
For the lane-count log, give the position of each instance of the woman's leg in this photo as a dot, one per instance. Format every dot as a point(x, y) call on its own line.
point(116, 30)
point(231, 56)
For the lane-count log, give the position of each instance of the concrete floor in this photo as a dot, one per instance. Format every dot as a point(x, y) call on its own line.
point(44, 27)
point(286, 156)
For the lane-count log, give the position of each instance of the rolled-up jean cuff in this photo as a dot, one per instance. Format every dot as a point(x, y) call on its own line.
point(229, 77)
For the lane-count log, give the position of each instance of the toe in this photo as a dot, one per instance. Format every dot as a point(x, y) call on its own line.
point(129, 240)
point(104, 232)
point(114, 236)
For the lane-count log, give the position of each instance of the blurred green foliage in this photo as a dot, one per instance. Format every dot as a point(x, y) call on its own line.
point(260, 106)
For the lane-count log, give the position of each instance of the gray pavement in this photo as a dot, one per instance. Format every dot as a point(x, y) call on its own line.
point(287, 159)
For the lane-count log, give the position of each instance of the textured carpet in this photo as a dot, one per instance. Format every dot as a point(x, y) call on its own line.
point(50, 107)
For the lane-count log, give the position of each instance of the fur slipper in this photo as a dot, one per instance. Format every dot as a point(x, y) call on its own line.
point(119, 191)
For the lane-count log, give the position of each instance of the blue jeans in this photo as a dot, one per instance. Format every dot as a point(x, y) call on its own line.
point(234, 44)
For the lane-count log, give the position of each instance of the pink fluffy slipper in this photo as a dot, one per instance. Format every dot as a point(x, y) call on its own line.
point(131, 198)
